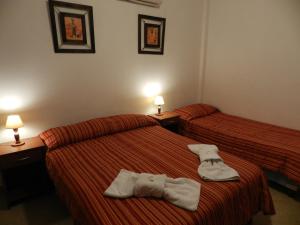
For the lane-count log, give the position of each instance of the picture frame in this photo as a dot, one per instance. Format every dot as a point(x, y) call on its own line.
point(151, 34)
point(72, 27)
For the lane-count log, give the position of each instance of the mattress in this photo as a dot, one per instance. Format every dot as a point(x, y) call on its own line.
point(271, 147)
point(82, 170)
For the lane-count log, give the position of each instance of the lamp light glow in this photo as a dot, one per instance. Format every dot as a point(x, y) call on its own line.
point(10, 103)
point(152, 89)
point(14, 122)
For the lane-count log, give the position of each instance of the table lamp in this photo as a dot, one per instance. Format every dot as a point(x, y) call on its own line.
point(14, 122)
point(159, 101)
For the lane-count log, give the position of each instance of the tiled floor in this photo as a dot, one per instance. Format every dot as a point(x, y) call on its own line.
point(48, 210)
point(287, 211)
point(45, 210)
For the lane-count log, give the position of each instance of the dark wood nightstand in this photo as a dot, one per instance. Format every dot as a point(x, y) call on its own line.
point(168, 120)
point(23, 170)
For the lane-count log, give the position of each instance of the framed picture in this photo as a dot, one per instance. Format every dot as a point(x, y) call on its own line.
point(151, 31)
point(72, 27)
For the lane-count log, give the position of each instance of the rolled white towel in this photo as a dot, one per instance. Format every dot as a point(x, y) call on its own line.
point(206, 152)
point(217, 171)
point(196, 148)
point(212, 166)
point(209, 155)
point(183, 192)
point(123, 185)
point(150, 185)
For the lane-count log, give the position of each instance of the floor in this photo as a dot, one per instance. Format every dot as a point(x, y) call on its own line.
point(48, 210)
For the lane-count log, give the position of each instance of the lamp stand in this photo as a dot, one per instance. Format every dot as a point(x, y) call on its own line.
point(159, 111)
point(17, 138)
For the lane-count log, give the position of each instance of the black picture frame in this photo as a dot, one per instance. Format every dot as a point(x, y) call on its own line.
point(77, 37)
point(151, 34)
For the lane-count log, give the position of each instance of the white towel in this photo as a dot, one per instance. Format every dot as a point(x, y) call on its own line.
point(196, 148)
point(208, 155)
point(205, 152)
point(123, 185)
point(149, 185)
point(212, 166)
point(182, 192)
point(217, 171)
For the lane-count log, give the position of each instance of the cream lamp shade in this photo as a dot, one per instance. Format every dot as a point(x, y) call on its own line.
point(13, 122)
point(159, 100)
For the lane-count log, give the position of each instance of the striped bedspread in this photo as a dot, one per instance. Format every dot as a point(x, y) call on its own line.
point(271, 147)
point(83, 170)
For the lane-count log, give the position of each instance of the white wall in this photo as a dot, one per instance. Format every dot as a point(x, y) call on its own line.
point(253, 59)
point(56, 89)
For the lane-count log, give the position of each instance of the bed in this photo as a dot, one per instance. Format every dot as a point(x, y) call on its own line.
point(272, 147)
point(83, 159)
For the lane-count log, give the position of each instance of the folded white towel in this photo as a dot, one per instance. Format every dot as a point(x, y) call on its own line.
point(149, 185)
point(196, 148)
point(123, 185)
point(182, 192)
point(205, 152)
point(217, 171)
point(207, 155)
point(212, 166)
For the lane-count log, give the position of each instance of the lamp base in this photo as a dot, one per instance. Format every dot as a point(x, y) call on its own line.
point(159, 114)
point(18, 144)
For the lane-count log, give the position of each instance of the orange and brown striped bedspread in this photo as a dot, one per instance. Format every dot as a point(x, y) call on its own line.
point(82, 171)
point(271, 147)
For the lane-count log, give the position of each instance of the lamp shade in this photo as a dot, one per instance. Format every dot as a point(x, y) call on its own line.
point(159, 100)
point(14, 121)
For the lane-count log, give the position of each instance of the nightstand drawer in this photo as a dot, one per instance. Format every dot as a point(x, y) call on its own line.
point(21, 158)
point(170, 121)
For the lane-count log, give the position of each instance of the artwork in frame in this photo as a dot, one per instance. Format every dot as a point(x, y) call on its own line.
point(151, 34)
point(72, 27)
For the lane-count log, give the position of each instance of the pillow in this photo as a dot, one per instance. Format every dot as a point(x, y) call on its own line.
point(190, 112)
point(119, 123)
point(60, 136)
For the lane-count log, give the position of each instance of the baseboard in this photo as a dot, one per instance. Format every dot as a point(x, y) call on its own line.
point(283, 184)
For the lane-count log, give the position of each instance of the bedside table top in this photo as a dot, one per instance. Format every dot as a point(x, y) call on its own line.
point(30, 143)
point(165, 116)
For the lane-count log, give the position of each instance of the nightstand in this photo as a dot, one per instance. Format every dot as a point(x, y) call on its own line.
point(168, 120)
point(23, 170)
